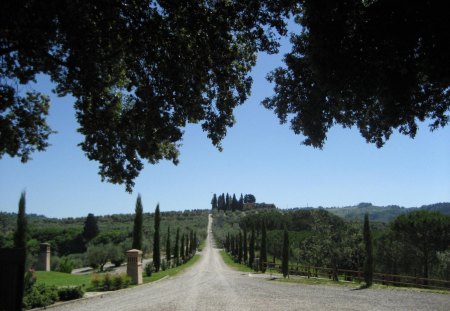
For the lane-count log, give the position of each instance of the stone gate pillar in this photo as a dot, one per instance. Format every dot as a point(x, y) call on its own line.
point(134, 265)
point(44, 257)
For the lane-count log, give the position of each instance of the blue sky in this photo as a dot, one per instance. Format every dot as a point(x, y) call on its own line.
point(260, 156)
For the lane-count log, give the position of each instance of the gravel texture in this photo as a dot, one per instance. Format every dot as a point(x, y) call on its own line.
point(211, 285)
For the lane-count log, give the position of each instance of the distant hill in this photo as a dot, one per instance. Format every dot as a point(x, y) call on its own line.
point(383, 213)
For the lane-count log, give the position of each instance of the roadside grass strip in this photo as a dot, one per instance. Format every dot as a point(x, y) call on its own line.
point(170, 272)
point(234, 265)
point(60, 279)
point(353, 285)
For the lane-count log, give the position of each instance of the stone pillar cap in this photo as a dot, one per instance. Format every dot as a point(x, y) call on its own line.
point(134, 251)
point(45, 243)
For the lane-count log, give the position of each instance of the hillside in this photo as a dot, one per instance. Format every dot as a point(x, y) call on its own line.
point(383, 213)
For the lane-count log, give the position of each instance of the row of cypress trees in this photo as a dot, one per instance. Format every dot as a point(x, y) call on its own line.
point(184, 247)
point(243, 249)
point(236, 245)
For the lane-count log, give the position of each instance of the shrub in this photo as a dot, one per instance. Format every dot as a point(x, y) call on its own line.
point(95, 281)
point(163, 265)
point(117, 282)
point(126, 280)
point(70, 293)
point(107, 282)
point(148, 269)
point(65, 265)
point(40, 295)
point(29, 280)
point(77, 260)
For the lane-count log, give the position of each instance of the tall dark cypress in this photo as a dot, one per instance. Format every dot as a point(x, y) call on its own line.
point(244, 245)
point(187, 246)
point(240, 249)
point(137, 227)
point(168, 255)
point(251, 248)
point(90, 229)
point(368, 261)
point(232, 245)
point(182, 247)
point(176, 250)
point(263, 250)
point(285, 259)
point(156, 240)
point(20, 235)
point(227, 243)
point(193, 242)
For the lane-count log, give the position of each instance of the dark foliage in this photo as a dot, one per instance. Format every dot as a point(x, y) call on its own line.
point(20, 234)
point(90, 229)
point(368, 259)
point(156, 241)
point(377, 65)
point(139, 71)
point(285, 257)
point(137, 227)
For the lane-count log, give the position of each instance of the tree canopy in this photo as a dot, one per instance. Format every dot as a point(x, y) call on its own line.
point(140, 71)
point(377, 65)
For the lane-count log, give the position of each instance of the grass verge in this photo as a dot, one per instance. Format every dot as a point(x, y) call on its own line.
point(354, 285)
point(170, 272)
point(236, 266)
point(63, 279)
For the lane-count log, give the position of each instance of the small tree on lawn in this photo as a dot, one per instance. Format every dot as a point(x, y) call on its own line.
point(285, 261)
point(368, 261)
point(137, 228)
point(156, 240)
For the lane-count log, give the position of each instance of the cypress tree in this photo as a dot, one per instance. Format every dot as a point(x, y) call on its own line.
point(244, 242)
point(182, 247)
point(240, 249)
point(137, 227)
point(263, 250)
point(251, 248)
point(191, 242)
point(368, 261)
point(168, 255)
point(90, 229)
point(285, 261)
point(232, 245)
point(186, 253)
point(176, 250)
point(214, 202)
point(20, 235)
point(234, 203)
point(195, 242)
point(156, 240)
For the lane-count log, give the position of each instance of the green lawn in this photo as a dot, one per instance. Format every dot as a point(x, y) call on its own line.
point(230, 262)
point(65, 279)
point(62, 279)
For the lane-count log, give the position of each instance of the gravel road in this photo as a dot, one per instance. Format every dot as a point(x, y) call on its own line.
point(211, 285)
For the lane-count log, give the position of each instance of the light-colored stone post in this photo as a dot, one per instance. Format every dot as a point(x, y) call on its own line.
point(134, 265)
point(44, 257)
